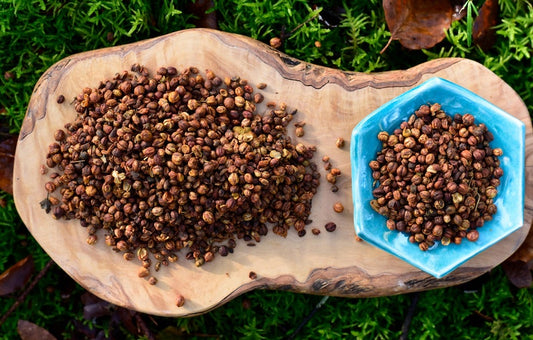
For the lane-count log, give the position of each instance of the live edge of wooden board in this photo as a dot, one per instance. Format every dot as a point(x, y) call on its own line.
point(332, 102)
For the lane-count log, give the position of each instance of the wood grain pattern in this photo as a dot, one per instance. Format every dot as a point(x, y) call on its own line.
point(330, 101)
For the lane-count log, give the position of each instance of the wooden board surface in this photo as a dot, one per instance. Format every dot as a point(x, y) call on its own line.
point(330, 101)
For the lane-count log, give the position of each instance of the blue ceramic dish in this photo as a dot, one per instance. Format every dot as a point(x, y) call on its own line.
point(509, 135)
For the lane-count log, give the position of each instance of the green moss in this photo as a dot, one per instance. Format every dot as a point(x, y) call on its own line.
point(36, 34)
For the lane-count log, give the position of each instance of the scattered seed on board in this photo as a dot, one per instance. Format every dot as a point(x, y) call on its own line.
point(180, 301)
point(340, 142)
point(338, 207)
point(330, 227)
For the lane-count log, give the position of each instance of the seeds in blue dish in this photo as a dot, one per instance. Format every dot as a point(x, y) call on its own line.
point(436, 177)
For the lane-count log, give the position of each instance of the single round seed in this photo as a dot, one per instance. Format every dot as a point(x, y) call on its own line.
point(330, 227)
point(338, 207)
point(180, 300)
point(472, 235)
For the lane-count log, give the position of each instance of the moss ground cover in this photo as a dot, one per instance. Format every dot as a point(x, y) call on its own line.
point(347, 35)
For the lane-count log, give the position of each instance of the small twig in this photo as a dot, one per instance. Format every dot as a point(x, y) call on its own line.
point(288, 35)
point(205, 335)
point(303, 23)
point(409, 316)
point(386, 46)
point(483, 316)
point(144, 328)
point(309, 316)
point(3, 154)
point(26, 291)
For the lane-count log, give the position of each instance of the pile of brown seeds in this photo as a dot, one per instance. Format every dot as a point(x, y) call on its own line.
point(437, 177)
point(179, 161)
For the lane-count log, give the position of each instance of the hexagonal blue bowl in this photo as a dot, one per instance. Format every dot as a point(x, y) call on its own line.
point(509, 135)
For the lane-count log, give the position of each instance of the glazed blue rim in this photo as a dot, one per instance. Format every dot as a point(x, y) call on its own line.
point(439, 260)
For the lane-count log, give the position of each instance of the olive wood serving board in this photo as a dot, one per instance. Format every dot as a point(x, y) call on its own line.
point(330, 101)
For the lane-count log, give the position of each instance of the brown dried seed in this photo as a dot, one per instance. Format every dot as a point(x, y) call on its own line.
point(143, 272)
point(180, 300)
point(331, 178)
point(335, 172)
point(338, 207)
point(258, 98)
point(330, 227)
point(472, 235)
point(252, 275)
point(50, 187)
point(446, 181)
point(275, 42)
point(299, 131)
point(59, 135)
point(91, 239)
point(211, 174)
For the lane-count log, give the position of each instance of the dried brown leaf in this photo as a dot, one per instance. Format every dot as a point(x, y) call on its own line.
point(7, 157)
point(172, 333)
point(459, 11)
point(483, 32)
point(96, 310)
point(30, 331)
point(125, 317)
point(418, 24)
point(16, 276)
point(517, 266)
point(205, 18)
point(518, 273)
point(525, 252)
point(89, 298)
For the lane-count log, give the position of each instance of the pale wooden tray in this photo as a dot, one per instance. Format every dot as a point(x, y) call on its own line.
point(330, 101)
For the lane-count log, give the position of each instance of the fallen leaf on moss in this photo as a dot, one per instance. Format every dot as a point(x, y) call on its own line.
point(483, 32)
point(30, 331)
point(417, 24)
point(519, 273)
point(205, 16)
point(518, 266)
point(16, 276)
point(459, 11)
point(7, 157)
